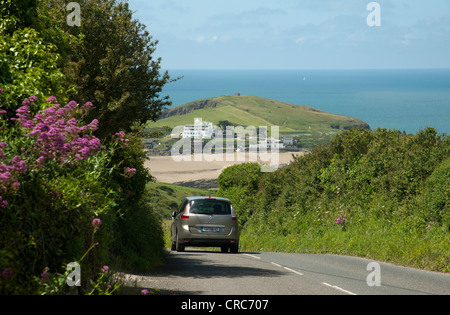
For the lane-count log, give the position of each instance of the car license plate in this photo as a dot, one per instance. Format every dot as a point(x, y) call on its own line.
point(210, 229)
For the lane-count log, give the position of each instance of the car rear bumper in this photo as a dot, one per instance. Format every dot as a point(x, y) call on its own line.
point(205, 242)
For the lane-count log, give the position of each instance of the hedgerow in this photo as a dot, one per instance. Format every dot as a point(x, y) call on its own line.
point(380, 194)
point(56, 179)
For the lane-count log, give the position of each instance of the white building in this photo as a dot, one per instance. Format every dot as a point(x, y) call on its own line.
point(267, 144)
point(288, 140)
point(199, 130)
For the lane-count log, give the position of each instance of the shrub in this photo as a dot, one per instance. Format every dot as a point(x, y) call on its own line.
point(53, 177)
point(239, 183)
point(435, 201)
point(138, 237)
point(387, 191)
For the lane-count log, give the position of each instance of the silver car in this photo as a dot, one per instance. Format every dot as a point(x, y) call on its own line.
point(205, 222)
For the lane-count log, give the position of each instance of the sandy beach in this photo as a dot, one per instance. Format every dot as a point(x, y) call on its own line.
point(166, 170)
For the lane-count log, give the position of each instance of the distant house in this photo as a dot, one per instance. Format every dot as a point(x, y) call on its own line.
point(228, 133)
point(237, 94)
point(267, 144)
point(199, 130)
point(150, 144)
point(288, 140)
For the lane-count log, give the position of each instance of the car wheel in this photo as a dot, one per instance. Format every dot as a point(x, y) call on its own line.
point(224, 249)
point(179, 246)
point(234, 248)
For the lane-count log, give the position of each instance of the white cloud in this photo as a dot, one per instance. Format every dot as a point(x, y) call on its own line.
point(201, 39)
point(297, 33)
point(300, 40)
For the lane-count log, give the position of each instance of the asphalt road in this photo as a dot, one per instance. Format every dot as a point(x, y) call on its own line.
point(197, 272)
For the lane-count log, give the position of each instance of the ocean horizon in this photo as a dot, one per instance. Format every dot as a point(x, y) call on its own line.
point(406, 100)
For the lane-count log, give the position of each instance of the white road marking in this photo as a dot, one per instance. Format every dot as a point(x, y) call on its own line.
point(299, 273)
point(276, 264)
point(253, 256)
point(338, 288)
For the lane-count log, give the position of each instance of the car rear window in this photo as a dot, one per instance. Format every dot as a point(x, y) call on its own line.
point(210, 206)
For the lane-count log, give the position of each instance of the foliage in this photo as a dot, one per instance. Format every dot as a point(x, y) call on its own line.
point(121, 76)
point(165, 198)
point(60, 166)
point(33, 52)
point(138, 237)
point(106, 282)
point(28, 66)
point(435, 200)
point(17, 14)
point(47, 162)
point(55, 176)
point(378, 194)
point(238, 183)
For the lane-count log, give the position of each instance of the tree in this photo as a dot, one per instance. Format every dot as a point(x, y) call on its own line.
point(223, 124)
point(30, 64)
point(17, 14)
point(115, 68)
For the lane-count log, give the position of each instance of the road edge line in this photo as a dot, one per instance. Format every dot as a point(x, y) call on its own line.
point(338, 288)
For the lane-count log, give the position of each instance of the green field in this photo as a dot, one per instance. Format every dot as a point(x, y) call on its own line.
point(310, 124)
point(166, 198)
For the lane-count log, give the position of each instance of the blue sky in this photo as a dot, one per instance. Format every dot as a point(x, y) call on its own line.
point(297, 34)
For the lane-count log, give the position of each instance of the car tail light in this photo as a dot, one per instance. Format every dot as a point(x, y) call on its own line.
point(233, 214)
point(185, 214)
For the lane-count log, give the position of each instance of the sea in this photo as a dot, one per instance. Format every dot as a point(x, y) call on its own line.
point(404, 100)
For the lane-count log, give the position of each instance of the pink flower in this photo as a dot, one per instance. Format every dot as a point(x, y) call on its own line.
point(55, 135)
point(6, 274)
point(5, 177)
point(96, 223)
point(3, 203)
point(71, 106)
point(430, 224)
point(341, 220)
point(94, 144)
point(85, 152)
point(93, 125)
point(51, 99)
point(44, 275)
point(120, 134)
point(18, 165)
point(130, 172)
point(105, 268)
point(86, 105)
point(144, 292)
point(40, 160)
